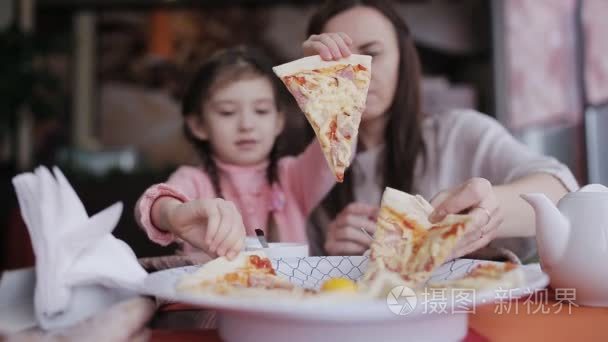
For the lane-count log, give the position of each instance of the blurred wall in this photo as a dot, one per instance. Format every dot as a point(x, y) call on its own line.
point(537, 74)
point(6, 13)
point(445, 25)
point(595, 14)
point(538, 63)
point(537, 90)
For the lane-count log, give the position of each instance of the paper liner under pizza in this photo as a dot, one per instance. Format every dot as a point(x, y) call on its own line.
point(332, 95)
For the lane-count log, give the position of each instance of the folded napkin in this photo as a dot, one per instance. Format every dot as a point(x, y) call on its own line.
point(81, 268)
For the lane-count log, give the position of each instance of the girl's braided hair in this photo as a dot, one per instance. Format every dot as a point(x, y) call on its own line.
point(225, 66)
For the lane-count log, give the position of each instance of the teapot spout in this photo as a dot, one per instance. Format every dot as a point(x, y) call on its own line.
point(552, 229)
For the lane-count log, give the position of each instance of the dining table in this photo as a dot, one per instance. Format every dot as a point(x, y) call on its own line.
point(545, 315)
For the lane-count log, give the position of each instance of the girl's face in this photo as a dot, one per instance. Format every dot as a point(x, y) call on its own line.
point(372, 34)
point(240, 120)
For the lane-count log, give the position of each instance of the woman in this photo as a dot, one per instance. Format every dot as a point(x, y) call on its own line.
point(463, 161)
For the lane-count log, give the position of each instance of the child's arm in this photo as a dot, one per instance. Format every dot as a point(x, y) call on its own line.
point(308, 176)
point(181, 186)
point(173, 209)
point(213, 225)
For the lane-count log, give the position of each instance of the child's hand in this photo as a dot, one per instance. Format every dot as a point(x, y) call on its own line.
point(214, 225)
point(330, 46)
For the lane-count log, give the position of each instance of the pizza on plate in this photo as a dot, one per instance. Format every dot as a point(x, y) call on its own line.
point(332, 95)
point(407, 247)
point(485, 276)
point(249, 270)
point(251, 275)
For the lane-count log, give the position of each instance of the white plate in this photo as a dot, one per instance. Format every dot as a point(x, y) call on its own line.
point(360, 320)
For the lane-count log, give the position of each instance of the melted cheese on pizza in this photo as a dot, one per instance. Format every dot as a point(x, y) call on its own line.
point(256, 267)
point(407, 247)
point(330, 93)
point(333, 99)
point(249, 270)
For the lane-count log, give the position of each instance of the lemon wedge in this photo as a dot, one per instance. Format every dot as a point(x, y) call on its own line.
point(339, 285)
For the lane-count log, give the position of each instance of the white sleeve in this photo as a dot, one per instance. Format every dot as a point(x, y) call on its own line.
point(498, 156)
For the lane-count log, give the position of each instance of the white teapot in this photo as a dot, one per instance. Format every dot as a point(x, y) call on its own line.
point(572, 241)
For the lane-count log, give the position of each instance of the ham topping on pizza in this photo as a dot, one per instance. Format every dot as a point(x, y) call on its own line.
point(332, 95)
point(406, 245)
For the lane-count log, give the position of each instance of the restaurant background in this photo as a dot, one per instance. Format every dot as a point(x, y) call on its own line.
point(93, 86)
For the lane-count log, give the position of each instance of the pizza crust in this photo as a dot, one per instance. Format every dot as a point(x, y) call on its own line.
point(416, 208)
point(315, 62)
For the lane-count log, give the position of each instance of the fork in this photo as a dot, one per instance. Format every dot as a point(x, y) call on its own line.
point(261, 237)
point(366, 233)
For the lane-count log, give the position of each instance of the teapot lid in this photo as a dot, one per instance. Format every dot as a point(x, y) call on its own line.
point(593, 188)
point(590, 190)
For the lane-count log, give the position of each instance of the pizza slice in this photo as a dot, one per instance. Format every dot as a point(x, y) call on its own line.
point(407, 247)
point(248, 270)
point(484, 276)
point(332, 95)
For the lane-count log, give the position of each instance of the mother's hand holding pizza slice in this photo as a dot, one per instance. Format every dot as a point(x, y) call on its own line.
point(477, 198)
point(332, 96)
point(330, 46)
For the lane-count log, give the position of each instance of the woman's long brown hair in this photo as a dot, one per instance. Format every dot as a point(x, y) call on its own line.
point(403, 134)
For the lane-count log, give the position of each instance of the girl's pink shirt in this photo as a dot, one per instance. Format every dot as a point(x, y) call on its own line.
point(304, 181)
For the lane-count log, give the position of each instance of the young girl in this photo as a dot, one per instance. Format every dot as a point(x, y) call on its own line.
point(232, 115)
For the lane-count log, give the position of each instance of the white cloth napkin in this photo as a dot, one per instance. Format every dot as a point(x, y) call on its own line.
point(81, 268)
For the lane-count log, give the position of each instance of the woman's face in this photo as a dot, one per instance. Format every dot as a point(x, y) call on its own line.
point(372, 34)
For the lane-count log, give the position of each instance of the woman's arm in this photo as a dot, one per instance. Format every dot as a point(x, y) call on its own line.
point(518, 215)
point(496, 211)
point(496, 169)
